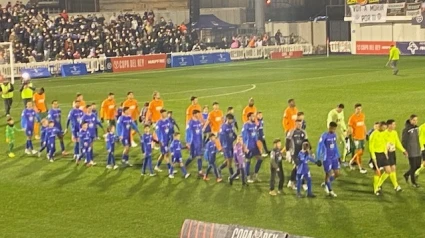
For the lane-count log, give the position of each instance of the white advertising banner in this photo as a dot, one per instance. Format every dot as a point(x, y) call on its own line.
point(371, 13)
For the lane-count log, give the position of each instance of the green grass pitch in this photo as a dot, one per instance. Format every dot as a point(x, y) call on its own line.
point(41, 199)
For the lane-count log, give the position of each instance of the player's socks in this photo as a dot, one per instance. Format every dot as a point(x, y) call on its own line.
point(76, 148)
point(199, 164)
point(170, 168)
point(145, 164)
point(62, 144)
point(309, 185)
point(216, 173)
point(208, 171)
point(183, 169)
point(375, 183)
point(382, 179)
point(125, 157)
point(299, 183)
point(418, 171)
point(31, 146)
point(27, 146)
point(158, 163)
point(328, 184)
point(223, 165)
point(258, 166)
point(231, 172)
point(248, 167)
point(11, 145)
point(294, 175)
point(188, 161)
point(393, 178)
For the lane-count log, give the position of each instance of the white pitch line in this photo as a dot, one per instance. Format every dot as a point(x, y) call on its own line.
point(253, 86)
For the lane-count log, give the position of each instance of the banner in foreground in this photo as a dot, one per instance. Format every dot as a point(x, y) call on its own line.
point(373, 47)
point(286, 55)
point(73, 69)
point(371, 13)
point(411, 47)
point(192, 228)
point(136, 63)
point(39, 72)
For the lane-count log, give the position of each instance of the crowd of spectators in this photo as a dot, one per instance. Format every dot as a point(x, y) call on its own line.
point(38, 36)
point(255, 41)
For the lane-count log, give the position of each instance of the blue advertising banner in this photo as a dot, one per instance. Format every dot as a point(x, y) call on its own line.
point(181, 61)
point(168, 62)
point(73, 69)
point(221, 57)
point(412, 47)
point(201, 59)
point(40, 72)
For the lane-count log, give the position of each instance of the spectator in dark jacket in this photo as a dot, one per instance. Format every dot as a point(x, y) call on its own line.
point(410, 141)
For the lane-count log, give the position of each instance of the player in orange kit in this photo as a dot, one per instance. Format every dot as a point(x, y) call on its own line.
point(108, 110)
point(133, 111)
point(80, 98)
point(358, 131)
point(290, 116)
point(39, 99)
point(155, 106)
point(215, 120)
point(194, 105)
point(249, 109)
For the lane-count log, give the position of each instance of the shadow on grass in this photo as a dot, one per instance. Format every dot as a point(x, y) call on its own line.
point(57, 172)
point(73, 176)
point(33, 167)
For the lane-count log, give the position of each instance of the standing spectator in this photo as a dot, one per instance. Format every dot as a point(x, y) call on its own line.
point(64, 15)
point(278, 37)
point(410, 141)
point(6, 89)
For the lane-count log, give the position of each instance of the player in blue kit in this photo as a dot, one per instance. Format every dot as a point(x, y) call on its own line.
point(210, 156)
point(327, 151)
point(194, 140)
point(162, 130)
point(207, 130)
point(250, 138)
point(28, 117)
point(176, 156)
point(95, 112)
point(173, 125)
point(92, 121)
point(110, 139)
point(86, 140)
point(55, 115)
point(43, 143)
point(231, 111)
point(147, 145)
point(227, 136)
point(125, 124)
point(261, 135)
point(50, 140)
point(74, 119)
point(303, 171)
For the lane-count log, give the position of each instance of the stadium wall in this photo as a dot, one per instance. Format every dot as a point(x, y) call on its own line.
point(312, 32)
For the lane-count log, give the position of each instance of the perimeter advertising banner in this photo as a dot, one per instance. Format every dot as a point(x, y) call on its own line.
point(411, 47)
point(136, 63)
point(373, 47)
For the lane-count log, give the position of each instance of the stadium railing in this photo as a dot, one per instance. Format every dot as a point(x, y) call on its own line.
point(340, 46)
point(104, 64)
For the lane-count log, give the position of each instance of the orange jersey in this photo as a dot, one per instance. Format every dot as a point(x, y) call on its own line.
point(40, 102)
point(133, 108)
point(108, 109)
point(358, 126)
point(246, 111)
point(289, 118)
point(190, 110)
point(154, 110)
point(215, 119)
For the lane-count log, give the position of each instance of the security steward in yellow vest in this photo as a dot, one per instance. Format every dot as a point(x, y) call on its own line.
point(6, 89)
point(27, 92)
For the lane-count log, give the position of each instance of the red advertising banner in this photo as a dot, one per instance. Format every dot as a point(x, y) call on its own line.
point(373, 47)
point(138, 62)
point(286, 55)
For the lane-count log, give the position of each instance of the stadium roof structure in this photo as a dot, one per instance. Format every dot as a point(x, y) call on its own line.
point(212, 22)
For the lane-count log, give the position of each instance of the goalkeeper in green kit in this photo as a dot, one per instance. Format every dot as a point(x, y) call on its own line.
point(10, 136)
point(394, 57)
point(337, 115)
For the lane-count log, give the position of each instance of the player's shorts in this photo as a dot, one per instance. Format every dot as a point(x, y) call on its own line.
point(255, 152)
point(207, 130)
point(125, 142)
point(29, 131)
point(195, 151)
point(329, 165)
point(394, 63)
point(228, 153)
point(177, 160)
point(359, 144)
point(164, 149)
point(381, 160)
point(42, 115)
point(392, 160)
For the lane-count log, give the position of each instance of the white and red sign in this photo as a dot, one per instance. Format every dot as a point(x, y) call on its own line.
point(139, 62)
point(286, 55)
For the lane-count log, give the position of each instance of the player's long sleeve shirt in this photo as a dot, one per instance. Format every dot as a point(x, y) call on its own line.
point(304, 157)
point(327, 147)
point(74, 118)
point(92, 121)
point(377, 143)
point(250, 135)
point(194, 133)
point(295, 140)
point(338, 118)
point(275, 158)
point(28, 118)
point(124, 126)
point(239, 155)
point(85, 138)
point(163, 131)
point(50, 134)
point(260, 127)
point(176, 149)
point(110, 142)
point(227, 136)
point(393, 141)
point(147, 140)
point(55, 115)
point(210, 151)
